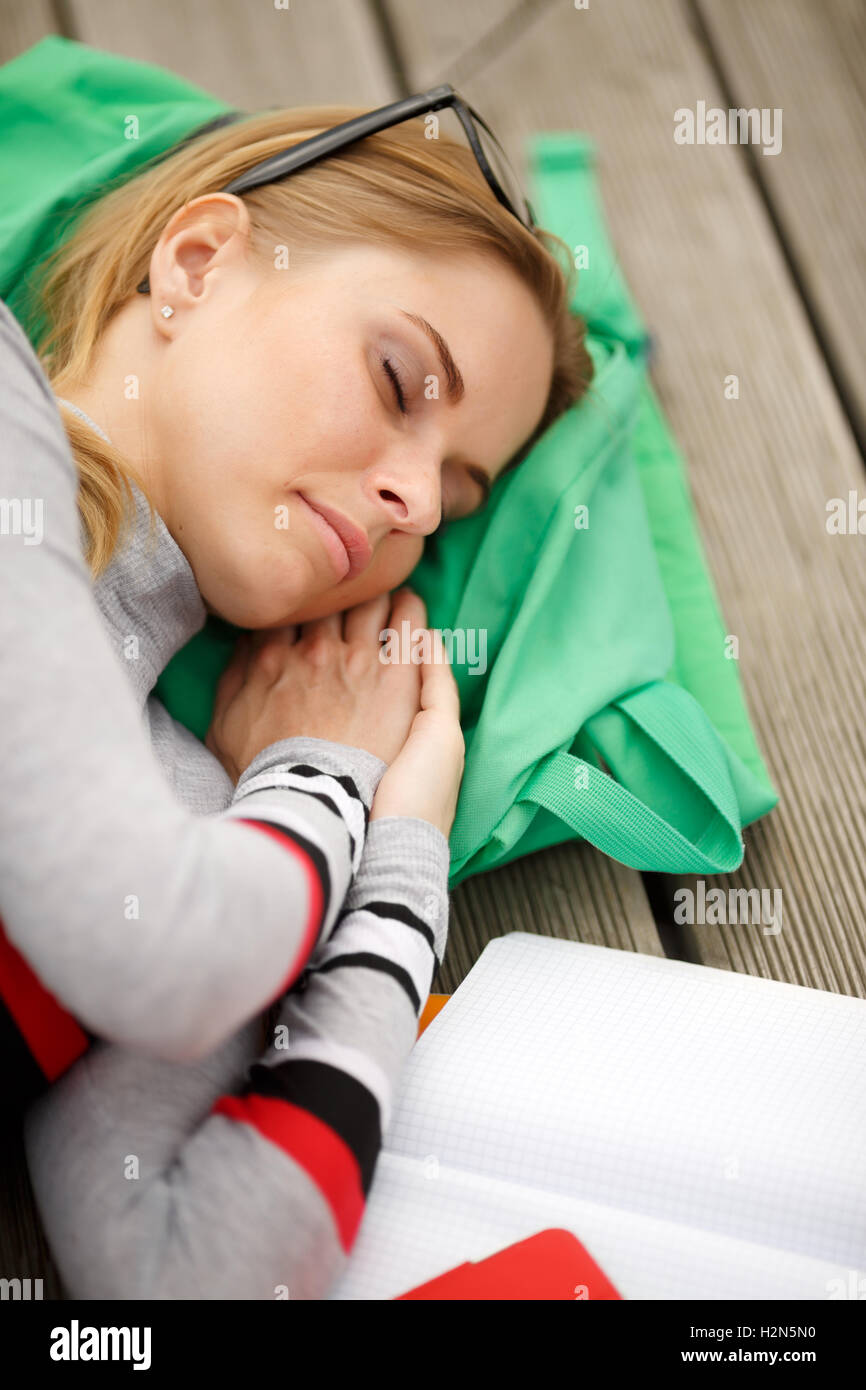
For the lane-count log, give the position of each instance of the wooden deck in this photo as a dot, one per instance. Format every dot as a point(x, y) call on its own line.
point(741, 264)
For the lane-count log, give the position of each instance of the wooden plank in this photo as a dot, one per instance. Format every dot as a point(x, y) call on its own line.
point(23, 25)
point(810, 61)
point(568, 891)
point(698, 248)
point(316, 52)
point(443, 43)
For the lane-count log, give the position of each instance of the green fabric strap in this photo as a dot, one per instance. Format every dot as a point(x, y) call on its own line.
point(619, 823)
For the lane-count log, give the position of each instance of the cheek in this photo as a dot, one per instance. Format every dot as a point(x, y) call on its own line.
point(229, 401)
point(394, 562)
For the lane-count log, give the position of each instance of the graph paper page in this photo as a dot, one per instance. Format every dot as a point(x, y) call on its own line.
point(422, 1220)
point(712, 1099)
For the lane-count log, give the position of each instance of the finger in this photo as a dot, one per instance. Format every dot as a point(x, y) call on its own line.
point(409, 608)
point(234, 673)
point(287, 632)
point(243, 652)
point(406, 604)
point(269, 650)
point(329, 626)
point(438, 686)
point(365, 621)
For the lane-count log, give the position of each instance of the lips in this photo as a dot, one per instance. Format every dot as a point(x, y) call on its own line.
point(348, 548)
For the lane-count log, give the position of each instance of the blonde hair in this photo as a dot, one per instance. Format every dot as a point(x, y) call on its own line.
point(395, 188)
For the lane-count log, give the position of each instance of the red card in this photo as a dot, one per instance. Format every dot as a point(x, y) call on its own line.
point(549, 1265)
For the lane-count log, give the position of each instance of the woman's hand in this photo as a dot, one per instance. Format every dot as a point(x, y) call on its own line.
point(424, 778)
point(323, 679)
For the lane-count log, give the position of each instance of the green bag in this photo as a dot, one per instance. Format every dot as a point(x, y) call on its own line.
point(605, 649)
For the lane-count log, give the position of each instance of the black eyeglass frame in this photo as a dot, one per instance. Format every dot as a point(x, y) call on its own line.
point(328, 142)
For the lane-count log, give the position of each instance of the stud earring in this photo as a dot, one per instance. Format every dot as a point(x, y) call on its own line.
point(166, 311)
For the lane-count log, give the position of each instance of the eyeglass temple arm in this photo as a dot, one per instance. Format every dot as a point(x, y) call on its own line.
point(308, 151)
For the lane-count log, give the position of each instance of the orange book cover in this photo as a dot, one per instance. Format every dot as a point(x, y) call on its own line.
point(434, 1003)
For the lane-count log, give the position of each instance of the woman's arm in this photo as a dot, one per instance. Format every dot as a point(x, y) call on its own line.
point(157, 929)
point(250, 1181)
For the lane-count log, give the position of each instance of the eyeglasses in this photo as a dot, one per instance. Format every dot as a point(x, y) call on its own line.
point(488, 152)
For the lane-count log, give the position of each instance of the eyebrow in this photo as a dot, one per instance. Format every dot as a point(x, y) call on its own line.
point(456, 388)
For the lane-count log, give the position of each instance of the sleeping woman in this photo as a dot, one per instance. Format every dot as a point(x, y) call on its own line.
point(214, 956)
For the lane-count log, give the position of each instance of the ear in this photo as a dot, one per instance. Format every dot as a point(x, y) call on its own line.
point(201, 242)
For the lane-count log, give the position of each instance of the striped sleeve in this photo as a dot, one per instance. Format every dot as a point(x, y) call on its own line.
point(312, 797)
point(323, 1093)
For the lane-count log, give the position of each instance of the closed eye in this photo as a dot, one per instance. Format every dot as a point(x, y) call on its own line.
point(478, 475)
point(397, 382)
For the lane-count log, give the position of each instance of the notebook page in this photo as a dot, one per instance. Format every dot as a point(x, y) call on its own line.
point(421, 1222)
point(713, 1099)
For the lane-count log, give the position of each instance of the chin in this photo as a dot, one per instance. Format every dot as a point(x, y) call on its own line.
point(258, 610)
point(246, 601)
point(246, 613)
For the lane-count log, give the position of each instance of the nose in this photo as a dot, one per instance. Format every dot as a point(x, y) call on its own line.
point(408, 489)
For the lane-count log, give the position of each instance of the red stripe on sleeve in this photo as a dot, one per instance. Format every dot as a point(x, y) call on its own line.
point(314, 1145)
point(314, 889)
point(54, 1038)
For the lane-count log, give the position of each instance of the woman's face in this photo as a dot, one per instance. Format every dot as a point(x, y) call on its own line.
point(273, 396)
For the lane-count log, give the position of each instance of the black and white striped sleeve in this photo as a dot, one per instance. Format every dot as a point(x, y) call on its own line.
point(313, 797)
point(323, 1093)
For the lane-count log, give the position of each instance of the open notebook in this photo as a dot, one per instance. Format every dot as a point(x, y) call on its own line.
point(702, 1133)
